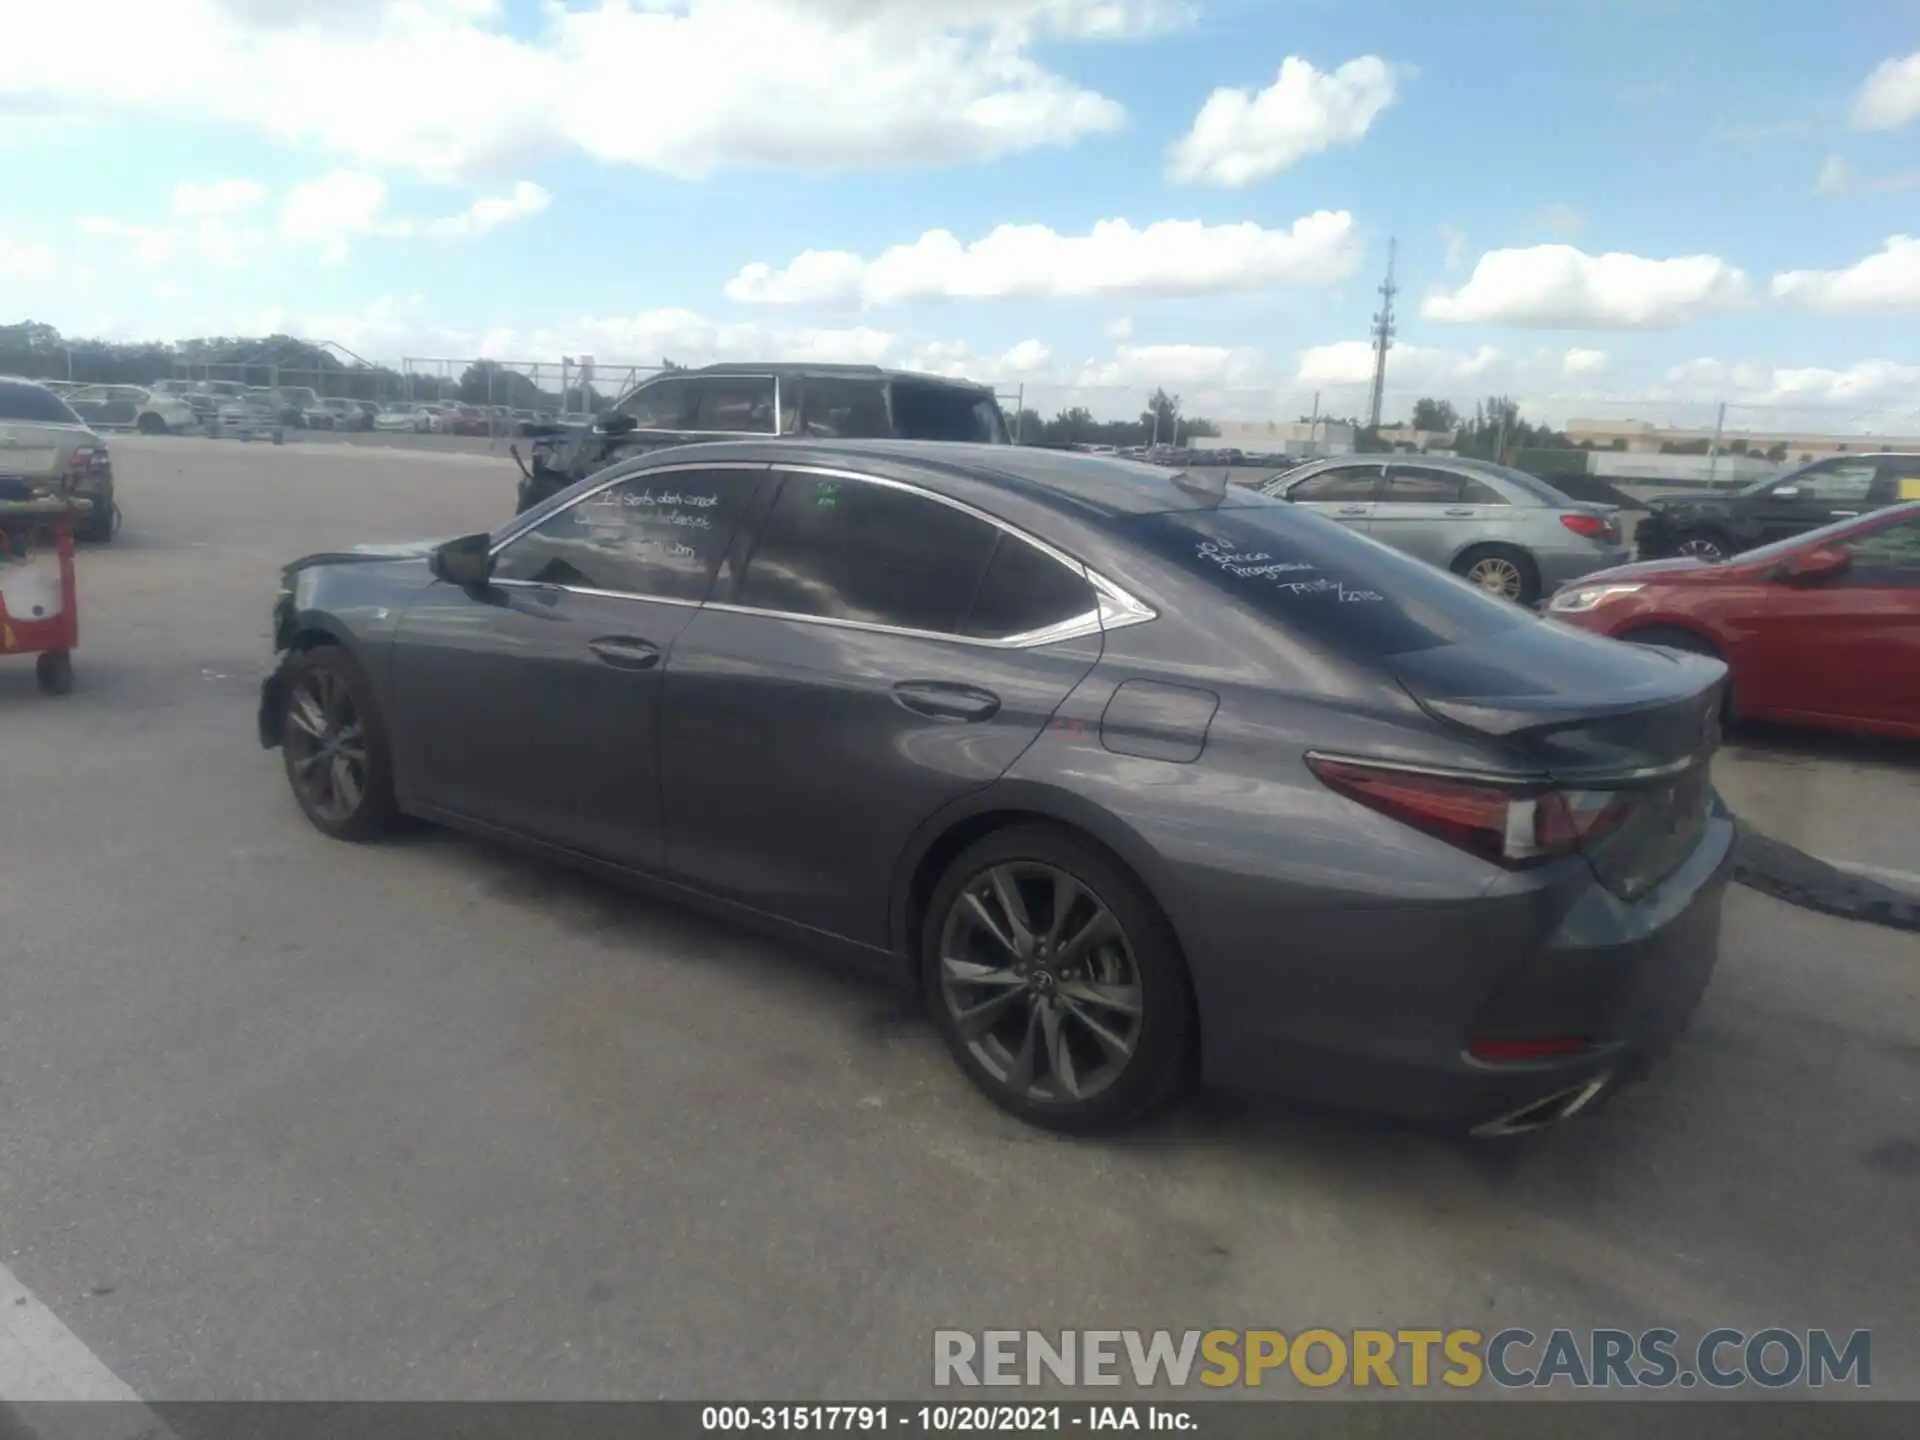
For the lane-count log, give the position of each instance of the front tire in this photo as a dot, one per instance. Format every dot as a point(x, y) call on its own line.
point(1056, 981)
point(333, 741)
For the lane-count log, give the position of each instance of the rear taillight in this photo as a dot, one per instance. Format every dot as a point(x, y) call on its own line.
point(1510, 827)
point(1593, 527)
point(1543, 1047)
point(81, 460)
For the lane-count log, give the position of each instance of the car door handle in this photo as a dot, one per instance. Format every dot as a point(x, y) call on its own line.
point(625, 652)
point(1351, 510)
point(1462, 514)
point(940, 700)
point(1843, 513)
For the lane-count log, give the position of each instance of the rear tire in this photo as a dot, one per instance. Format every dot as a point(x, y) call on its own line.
point(333, 741)
point(150, 424)
point(1081, 1018)
point(1502, 570)
point(53, 671)
point(102, 523)
point(1705, 544)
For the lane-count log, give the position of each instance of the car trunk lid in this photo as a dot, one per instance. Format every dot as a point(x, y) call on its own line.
point(1628, 729)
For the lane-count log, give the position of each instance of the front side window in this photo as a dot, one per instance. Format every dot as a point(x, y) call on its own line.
point(1838, 484)
point(661, 405)
point(841, 549)
point(1889, 555)
point(1347, 483)
point(1025, 590)
point(737, 405)
point(658, 535)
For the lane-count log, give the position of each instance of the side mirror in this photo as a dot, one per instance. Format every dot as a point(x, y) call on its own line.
point(1813, 567)
point(465, 562)
point(617, 425)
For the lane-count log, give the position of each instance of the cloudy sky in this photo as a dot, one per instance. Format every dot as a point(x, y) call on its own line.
point(1599, 204)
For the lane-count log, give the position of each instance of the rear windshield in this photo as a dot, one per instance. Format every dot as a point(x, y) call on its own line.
point(35, 405)
point(1321, 579)
point(940, 412)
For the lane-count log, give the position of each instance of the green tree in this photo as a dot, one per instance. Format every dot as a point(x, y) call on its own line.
point(1777, 453)
point(1161, 418)
point(1436, 415)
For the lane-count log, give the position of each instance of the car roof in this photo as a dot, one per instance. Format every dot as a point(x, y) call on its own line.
point(1096, 487)
point(806, 367)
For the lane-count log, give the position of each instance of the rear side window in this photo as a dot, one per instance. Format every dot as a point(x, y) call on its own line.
point(659, 535)
point(1319, 578)
point(941, 412)
point(833, 409)
point(1024, 590)
point(853, 550)
point(34, 405)
point(1418, 485)
point(740, 405)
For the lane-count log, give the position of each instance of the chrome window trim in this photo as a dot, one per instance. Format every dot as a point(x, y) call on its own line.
point(1116, 608)
point(675, 468)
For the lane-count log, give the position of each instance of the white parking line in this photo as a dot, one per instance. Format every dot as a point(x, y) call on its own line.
point(1905, 879)
point(41, 1359)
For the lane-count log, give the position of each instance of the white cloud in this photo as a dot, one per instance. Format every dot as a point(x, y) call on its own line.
point(1891, 96)
point(1241, 136)
point(1580, 361)
point(1457, 251)
point(1560, 287)
point(1835, 178)
point(490, 212)
point(26, 259)
point(445, 87)
point(1137, 366)
point(1561, 219)
point(1168, 257)
point(1119, 328)
point(1349, 363)
point(1888, 280)
point(216, 222)
point(1860, 386)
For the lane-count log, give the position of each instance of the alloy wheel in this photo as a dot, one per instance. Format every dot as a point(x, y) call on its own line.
point(326, 746)
point(1497, 576)
point(1041, 983)
point(1701, 548)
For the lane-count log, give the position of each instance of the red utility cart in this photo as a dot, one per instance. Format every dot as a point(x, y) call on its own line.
point(38, 614)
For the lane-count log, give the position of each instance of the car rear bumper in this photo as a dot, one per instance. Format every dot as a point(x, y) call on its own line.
point(1387, 1029)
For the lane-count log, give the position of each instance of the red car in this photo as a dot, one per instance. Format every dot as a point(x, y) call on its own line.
point(1822, 629)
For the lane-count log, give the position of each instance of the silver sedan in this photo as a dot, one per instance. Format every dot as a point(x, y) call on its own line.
point(1503, 529)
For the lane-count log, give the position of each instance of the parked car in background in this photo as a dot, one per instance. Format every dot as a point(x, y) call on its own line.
point(1501, 529)
point(348, 414)
point(1087, 737)
point(250, 413)
point(62, 388)
point(798, 401)
point(201, 400)
point(300, 407)
point(468, 420)
point(1821, 629)
point(130, 407)
point(46, 444)
point(403, 415)
point(1714, 526)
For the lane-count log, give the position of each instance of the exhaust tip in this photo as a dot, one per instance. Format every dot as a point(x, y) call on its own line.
point(1538, 1114)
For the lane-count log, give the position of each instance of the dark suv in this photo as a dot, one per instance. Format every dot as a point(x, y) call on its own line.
point(791, 401)
point(1712, 527)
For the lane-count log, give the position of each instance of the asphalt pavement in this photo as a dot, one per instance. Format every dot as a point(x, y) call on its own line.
point(286, 1118)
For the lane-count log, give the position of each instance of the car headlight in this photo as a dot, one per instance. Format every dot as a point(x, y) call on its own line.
point(1576, 598)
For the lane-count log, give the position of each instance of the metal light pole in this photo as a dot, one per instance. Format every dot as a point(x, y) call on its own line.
point(1713, 450)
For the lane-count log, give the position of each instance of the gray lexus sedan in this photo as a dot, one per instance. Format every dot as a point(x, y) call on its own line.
point(1505, 530)
point(1133, 774)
